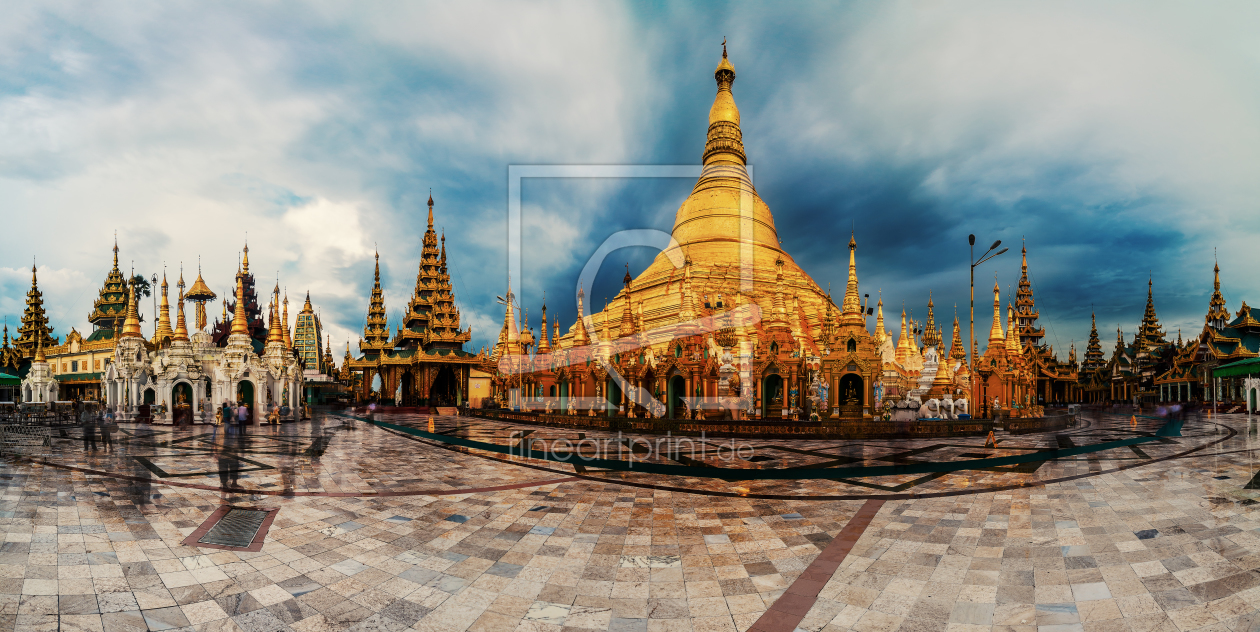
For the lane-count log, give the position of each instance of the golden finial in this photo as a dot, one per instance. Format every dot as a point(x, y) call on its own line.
point(245, 259)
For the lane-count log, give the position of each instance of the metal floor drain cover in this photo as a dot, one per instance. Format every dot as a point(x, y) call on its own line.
point(236, 528)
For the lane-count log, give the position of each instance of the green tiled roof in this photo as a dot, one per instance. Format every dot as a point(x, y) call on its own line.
point(1250, 366)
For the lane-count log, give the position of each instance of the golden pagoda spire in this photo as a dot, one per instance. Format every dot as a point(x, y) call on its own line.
point(544, 346)
point(996, 337)
point(131, 326)
point(306, 308)
point(288, 339)
point(627, 315)
point(239, 326)
point(181, 325)
point(880, 333)
point(1012, 337)
point(725, 141)
point(956, 349)
point(579, 328)
point(930, 337)
point(1217, 316)
point(163, 330)
point(39, 351)
point(245, 260)
point(852, 305)
point(904, 343)
point(430, 209)
point(273, 314)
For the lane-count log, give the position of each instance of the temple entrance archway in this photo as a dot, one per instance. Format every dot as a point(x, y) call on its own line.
point(772, 396)
point(676, 390)
point(245, 395)
point(850, 395)
point(445, 389)
point(181, 404)
point(408, 389)
point(150, 396)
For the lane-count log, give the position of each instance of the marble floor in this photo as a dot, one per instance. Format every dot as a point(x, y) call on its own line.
point(1123, 525)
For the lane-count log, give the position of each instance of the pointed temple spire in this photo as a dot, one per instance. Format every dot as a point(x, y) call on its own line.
point(163, 332)
point(376, 329)
point(239, 326)
point(956, 349)
point(181, 325)
point(1150, 334)
point(851, 307)
point(1025, 308)
point(544, 346)
point(431, 319)
point(579, 328)
point(1012, 329)
point(627, 314)
point(131, 326)
point(930, 336)
point(996, 338)
point(110, 307)
point(34, 330)
point(880, 333)
point(1093, 352)
point(284, 324)
point(1217, 316)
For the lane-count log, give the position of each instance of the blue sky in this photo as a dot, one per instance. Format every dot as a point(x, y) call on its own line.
point(1118, 139)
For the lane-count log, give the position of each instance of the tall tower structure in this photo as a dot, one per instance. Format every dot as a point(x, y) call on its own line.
point(432, 320)
point(1093, 352)
point(307, 338)
point(110, 308)
point(1026, 309)
point(34, 331)
point(1217, 316)
point(376, 328)
point(1150, 334)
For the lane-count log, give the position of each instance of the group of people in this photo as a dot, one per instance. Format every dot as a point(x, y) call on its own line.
point(94, 421)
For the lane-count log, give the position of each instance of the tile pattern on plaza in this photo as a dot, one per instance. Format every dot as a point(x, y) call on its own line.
point(1173, 545)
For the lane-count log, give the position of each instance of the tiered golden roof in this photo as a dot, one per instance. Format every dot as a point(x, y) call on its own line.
point(34, 331)
point(956, 349)
point(432, 318)
point(376, 329)
point(1025, 308)
point(931, 337)
point(1150, 334)
point(1217, 316)
point(1093, 352)
point(111, 305)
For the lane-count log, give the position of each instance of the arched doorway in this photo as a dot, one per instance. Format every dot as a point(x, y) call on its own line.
point(245, 395)
point(181, 404)
point(772, 396)
point(445, 389)
point(149, 396)
point(676, 391)
point(408, 389)
point(850, 394)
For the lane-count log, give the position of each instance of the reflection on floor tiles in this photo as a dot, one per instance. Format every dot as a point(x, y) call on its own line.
point(1114, 540)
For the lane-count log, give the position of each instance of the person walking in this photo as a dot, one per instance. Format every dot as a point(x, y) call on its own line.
point(107, 429)
point(242, 414)
point(89, 430)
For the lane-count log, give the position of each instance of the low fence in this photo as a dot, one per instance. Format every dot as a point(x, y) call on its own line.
point(745, 428)
point(1029, 425)
point(25, 440)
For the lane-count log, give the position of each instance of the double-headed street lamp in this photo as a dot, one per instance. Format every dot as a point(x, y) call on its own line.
point(971, 240)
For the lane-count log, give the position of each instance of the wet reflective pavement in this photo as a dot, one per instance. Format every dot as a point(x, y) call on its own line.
point(380, 529)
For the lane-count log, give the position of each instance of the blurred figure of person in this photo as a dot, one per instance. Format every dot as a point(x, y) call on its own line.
point(89, 430)
point(108, 427)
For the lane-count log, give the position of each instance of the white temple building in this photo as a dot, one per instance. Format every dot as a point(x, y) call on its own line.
point(190, 376)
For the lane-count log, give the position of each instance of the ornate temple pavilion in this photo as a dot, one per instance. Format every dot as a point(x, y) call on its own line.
point(423, 363)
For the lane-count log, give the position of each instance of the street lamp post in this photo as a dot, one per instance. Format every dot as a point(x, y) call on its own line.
point(971, 241)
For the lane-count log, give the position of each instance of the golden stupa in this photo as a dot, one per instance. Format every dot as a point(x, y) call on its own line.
point(727, 249)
